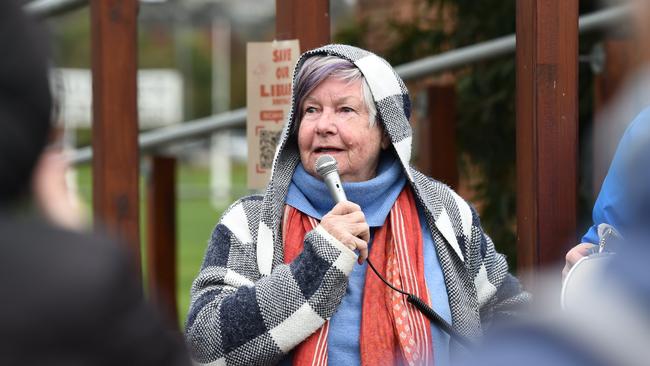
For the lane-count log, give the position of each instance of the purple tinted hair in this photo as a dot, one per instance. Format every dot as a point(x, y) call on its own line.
point(318, 68)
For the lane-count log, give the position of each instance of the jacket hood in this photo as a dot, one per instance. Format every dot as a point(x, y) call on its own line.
point(389, 93)
point(393, 111)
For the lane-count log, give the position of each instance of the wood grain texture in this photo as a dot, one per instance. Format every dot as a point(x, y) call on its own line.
point(115, 120)
point(308, 21)
point(161, 236)
point(547, 130)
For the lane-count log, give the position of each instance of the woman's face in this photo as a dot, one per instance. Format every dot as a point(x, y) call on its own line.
point(335, 122)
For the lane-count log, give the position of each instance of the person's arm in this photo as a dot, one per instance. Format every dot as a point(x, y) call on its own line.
point(613, 203)
point(239, 317)
point(500, 294)
point(610, 206)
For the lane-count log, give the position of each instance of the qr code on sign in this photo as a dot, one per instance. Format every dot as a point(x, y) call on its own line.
point(268, 142)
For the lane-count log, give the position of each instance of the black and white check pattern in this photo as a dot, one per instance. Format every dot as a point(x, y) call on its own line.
point(249, 308)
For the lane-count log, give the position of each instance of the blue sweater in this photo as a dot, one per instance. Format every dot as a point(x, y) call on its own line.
point(376, 197)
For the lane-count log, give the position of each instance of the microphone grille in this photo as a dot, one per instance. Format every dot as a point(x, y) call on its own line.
point(325, 164)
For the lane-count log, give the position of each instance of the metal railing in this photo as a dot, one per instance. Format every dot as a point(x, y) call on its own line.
point(412, 70)
point(497, 47)
point(157, 138)
point(48, 8)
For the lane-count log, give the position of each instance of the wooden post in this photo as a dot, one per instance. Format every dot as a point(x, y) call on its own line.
point(115, 119)
point(437, 155)
point(161, 236)
point(308, 21)
point(547, 130)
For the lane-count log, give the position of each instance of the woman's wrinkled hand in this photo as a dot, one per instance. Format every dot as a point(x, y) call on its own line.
point(347, 223)
point(574, 255)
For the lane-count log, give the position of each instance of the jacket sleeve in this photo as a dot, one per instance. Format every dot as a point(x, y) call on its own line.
point(238, 317)
point(626, 174)
point(500, 294)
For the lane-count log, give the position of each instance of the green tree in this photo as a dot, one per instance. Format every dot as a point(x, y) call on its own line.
point(486, 99)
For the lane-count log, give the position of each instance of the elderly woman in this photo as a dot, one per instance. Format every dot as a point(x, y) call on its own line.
point(280, 281)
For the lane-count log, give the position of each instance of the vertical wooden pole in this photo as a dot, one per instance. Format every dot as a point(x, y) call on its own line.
point(161, 235)
point(115, 119)
point(547, 129)
point(437, 155)
point(308, 21)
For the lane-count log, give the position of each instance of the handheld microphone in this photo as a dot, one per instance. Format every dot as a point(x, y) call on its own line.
point(327, 168)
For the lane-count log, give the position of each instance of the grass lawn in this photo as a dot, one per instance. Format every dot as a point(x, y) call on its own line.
point(196, 217)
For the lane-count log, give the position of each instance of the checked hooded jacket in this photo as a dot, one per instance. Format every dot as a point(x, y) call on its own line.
point(249, 308)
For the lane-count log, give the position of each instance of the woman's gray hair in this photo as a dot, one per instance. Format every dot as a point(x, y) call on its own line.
point(317, 69)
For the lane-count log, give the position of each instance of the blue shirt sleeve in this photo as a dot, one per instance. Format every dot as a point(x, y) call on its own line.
point(611, 206)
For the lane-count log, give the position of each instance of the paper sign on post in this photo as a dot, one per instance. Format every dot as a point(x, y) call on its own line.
point(269, 70)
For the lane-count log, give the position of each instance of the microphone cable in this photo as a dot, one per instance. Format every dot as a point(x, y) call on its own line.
point(427, 311)
point(327, 167)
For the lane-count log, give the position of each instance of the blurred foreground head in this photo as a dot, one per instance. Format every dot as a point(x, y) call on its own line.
point(25, 101)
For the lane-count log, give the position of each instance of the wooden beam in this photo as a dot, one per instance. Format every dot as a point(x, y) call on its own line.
point(161, 236)
point(308, 21)
point(437, 155)
point(115, 120)
point(547, 130)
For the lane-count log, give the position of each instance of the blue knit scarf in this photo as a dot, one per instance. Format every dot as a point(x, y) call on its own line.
point(375, 196)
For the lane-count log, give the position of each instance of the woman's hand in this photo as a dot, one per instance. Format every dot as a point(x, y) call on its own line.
point(574, 255)
point(347, 223)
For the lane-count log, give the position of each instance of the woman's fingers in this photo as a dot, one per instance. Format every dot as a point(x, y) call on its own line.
point(347, 223)
point(353, 235)
point(356, 216)
point(362, 247)
point(345, 207)
point(361, 230)
point(574, 255)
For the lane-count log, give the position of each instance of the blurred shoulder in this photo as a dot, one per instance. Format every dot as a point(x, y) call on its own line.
point(34, 242)
point(77, 294)
point(532, 345)
point(638, 130)
point(53, 274)
point(642, 120)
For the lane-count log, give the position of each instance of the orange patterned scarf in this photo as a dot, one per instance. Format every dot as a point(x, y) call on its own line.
point(392, 330)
